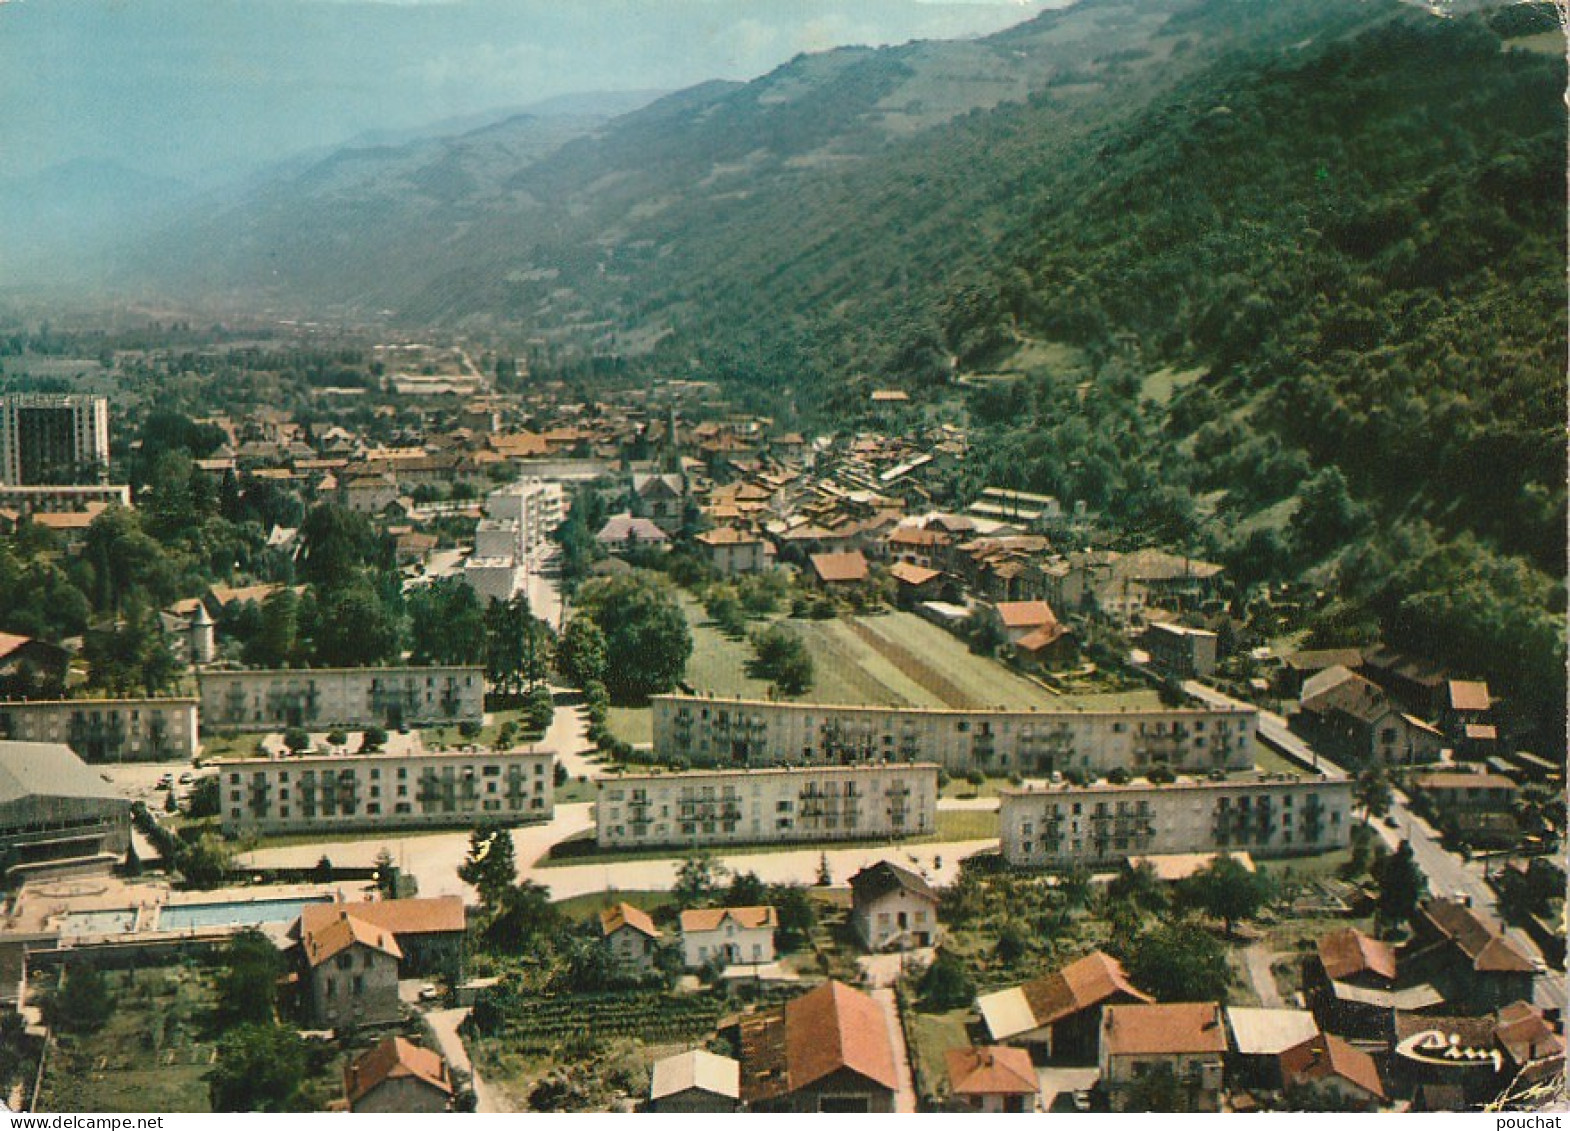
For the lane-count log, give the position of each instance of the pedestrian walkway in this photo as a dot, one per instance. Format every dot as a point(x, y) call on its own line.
point(905, 1098)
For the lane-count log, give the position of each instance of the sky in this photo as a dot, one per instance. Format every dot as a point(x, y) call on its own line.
point(202, 91)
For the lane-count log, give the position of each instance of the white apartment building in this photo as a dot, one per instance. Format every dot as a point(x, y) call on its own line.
point(53, 438)
point(715, 731)
point(316, 698)
point(1104, 824)
point(535, 506)
point(107, 730)
point(384, 791)
point(815, 803)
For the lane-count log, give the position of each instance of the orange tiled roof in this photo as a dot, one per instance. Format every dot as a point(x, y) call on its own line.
point(1153, 1030)
point(847, 566)
point(996, 1070)
point(332, 938)
point(835, 1027)
point(1327, 1055)
point(1086, 982)
point(392, 1058)
point(400, 916)
point(709, 918)
point(613, 919)
point(1350, 952)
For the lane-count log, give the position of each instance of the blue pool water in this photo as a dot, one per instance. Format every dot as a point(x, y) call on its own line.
point(238, 913)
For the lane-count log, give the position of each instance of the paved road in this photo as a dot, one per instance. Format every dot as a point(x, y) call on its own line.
point(1448, 874)
point(1257, 959)
point(905, 1097)
point(1273, 730)
point(444, 1027)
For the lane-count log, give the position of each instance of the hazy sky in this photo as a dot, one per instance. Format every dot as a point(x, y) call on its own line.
point(195, 89)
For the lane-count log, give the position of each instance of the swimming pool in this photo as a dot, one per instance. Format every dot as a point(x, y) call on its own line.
point(112, 921)
point(233, 913)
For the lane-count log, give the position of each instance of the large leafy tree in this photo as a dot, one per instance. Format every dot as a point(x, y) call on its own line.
point(1179, 962)
point(446, 624)
point(1225, 890)
point(258, 1068)
point(1401, 885)
point(647, 641)
point(248, 980)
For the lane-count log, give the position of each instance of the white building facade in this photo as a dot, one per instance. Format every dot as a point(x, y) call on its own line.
point(107, 730)
point(1103, 824)
point(315, 698)
point(384, 791)
point(714, 731)
point(817, 803)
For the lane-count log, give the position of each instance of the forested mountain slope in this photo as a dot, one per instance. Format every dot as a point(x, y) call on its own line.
point(1344, 221)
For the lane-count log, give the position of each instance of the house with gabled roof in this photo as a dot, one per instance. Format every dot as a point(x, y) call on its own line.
point(893, 908)
point(825, 1051)
point(631, 936)
point(1187, 1039)
point(1061, 1013)
point(994, 1078)
point(695, 1082)
point(729, 936)
point(1326, 1063)
point(351, 968)
point(430, 933)
point(839, 569)
point(397, 1076)
point(1466, 954)
point(1345, 710)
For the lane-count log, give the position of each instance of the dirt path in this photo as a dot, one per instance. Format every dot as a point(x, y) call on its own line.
point(444, 1024)
point(905, 1098)
point(1257, 960)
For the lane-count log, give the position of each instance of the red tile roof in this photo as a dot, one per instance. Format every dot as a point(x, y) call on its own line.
point(394, 1057)
point(1026, 614)
point(996, 1070)
point(1477, 936)
point(909, 574)
point(847, 566)
point(709, 918)
point(1525, 1036)
point(1155, 1030)
point(1086, 982)
point(613, 919)
point(327, 939)
point(1348, 953)
point(1324, 1056)
point(835, 1027)
point(439, 915)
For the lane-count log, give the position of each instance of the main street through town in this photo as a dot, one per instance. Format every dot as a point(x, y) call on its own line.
point(1448, 874)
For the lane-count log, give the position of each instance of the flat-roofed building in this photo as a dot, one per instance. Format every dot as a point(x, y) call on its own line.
point(384, 791)
point(317, 698)
point(756, 732)
point(55, 811)
point(48, 438)
point(107, 730)
point(814, 803)
point(1103, 824)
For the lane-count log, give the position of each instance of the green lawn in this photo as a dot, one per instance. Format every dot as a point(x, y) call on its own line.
point(1160, 385)
point(967, 824)
point(631, 724)
point(1266, 758)
point(960, 788)
point(932, 1035)
point(585, 906)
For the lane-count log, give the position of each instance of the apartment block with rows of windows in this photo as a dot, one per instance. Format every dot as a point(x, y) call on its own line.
point(758, 733)
point(377, 791)
point(1104, 824)
point(818, 803)
point(317, 698)
point(107, 730)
